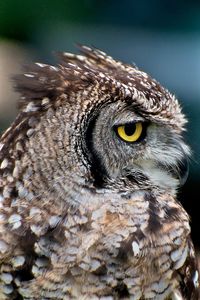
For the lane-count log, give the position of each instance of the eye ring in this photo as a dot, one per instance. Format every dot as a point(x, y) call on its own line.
point(130, 132)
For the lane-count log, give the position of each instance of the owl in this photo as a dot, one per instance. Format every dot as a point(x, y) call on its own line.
point(89, 174)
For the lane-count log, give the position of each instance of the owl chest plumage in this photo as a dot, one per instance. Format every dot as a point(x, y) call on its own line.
point(116, 246)
point(136, 246)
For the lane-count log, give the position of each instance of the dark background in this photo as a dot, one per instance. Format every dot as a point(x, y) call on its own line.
point(161, 37)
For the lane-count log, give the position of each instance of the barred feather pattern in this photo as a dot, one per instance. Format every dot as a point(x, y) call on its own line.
point(79, 224)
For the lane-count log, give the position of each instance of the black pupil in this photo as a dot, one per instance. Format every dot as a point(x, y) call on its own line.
point(130, 129)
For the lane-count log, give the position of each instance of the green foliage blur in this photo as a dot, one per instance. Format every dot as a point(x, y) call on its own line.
point(18, 18)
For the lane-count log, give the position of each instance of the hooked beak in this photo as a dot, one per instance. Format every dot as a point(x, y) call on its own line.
point(180, 171)
point(183, 170)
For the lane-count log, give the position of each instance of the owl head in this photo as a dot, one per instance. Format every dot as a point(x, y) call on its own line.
point(109, 121)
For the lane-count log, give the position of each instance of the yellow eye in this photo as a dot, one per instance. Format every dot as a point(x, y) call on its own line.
point(130, 132)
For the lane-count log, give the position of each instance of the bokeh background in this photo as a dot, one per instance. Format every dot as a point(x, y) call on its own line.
point(160, 37)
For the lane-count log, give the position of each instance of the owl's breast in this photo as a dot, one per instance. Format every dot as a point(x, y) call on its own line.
point(138, 243)
point(112, 246)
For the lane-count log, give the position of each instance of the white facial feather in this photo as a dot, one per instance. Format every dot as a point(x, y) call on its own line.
point(158, 176)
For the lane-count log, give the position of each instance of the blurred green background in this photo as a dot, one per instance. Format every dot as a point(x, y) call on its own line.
point(161, 37)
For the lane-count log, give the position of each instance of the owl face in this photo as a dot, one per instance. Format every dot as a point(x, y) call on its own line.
point(117, 122)
point(127, 144)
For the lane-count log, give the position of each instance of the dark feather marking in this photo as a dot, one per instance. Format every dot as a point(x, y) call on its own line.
point(172, 213)
point(155, 223)
point(97, 168)
point(126, 246)
point(27, 243)
point(121, 291)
